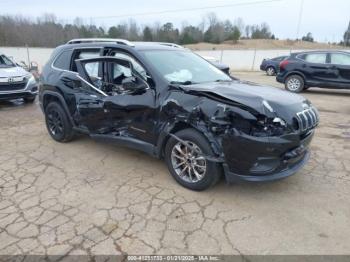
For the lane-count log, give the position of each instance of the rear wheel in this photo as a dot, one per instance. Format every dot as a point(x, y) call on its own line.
point(187, 162)
point(57, 123)
point(270, 71)
point(294, 83)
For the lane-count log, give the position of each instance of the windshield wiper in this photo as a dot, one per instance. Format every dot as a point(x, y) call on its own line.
point(185, 83)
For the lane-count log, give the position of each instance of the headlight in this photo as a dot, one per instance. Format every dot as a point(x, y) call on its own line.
point(262, 126)
point(269, 127)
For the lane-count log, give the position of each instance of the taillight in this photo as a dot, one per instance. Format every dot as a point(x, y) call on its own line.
point(283, 64)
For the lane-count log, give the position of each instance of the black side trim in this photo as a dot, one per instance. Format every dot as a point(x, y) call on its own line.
point(127, 142)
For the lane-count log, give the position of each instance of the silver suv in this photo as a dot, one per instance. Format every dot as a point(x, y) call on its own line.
point(15, 82)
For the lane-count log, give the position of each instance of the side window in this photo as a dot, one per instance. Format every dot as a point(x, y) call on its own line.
point(88, 54)
point(111, 80)
point(62, 61)
point(83, 54)
point(92, 70)
point(317, 58)
point(120, 72)
point(340, 59)
point(137, 66)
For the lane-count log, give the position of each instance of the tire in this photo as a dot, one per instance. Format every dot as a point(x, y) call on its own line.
point(57, 123)
point(209, 175)
point(270, 71)
point(29, 99)
point(294, 83)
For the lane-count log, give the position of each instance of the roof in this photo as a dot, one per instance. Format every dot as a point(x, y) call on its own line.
point(320, 51)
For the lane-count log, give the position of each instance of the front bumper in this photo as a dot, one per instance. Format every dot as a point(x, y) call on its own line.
point(265, 159)
point(288, 171)
point(29, 91)
point(280, 78)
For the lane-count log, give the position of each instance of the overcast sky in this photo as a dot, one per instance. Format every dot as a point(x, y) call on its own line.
point(326, 19)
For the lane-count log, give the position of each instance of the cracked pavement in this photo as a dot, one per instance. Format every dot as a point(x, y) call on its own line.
point(89, 198)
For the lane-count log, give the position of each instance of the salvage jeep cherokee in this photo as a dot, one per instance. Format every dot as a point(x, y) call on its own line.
point(173, 104)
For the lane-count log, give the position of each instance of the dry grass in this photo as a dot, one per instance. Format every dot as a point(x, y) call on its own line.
point(263, 44)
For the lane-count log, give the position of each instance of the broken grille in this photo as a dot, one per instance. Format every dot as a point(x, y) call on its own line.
point(308, 119)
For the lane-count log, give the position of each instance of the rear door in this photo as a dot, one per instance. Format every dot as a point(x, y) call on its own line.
point(117, 107)
point(90, 99)
point(340, 62)
point(316, 68)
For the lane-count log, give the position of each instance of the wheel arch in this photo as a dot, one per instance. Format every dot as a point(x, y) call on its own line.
point(50, 96)
point(295, 73)
point(171, 129)
point(270, 65)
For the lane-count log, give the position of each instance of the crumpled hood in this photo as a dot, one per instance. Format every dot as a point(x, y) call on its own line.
point(12, 72)
point(285, 104)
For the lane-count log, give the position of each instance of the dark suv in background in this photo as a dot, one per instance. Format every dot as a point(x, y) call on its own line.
point(271, 66)
point(327, 69)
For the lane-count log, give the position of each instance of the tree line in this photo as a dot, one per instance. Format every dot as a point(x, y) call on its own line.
point(47, 31)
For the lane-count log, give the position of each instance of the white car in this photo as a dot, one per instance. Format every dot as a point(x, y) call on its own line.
point(15, 82)
point(218, 64)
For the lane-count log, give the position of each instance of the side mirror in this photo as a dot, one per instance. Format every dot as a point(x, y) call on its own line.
point(133, 84)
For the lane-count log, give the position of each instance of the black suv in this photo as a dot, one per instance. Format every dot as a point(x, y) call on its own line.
point(173, 104)
point(329, 69)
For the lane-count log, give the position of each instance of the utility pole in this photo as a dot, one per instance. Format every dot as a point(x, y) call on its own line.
point(300, 16)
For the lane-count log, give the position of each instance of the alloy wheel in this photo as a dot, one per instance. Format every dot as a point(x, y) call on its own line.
point(270, 71)
point(293, 84)
point(55, 123)
point(188, 162)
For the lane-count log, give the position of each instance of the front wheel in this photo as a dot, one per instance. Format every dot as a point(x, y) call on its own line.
point(187, 162)
point(294, 83)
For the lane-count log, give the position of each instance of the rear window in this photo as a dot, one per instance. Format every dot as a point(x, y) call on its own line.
point(63, 60)
point(340, 59)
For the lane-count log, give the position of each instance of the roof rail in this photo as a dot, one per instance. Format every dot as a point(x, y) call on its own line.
point(99, 40)
point(169, 44)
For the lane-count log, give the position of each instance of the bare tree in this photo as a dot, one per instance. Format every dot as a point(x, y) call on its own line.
point(48, 31)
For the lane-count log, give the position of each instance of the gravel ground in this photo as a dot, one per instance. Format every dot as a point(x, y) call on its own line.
point(91, 198)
